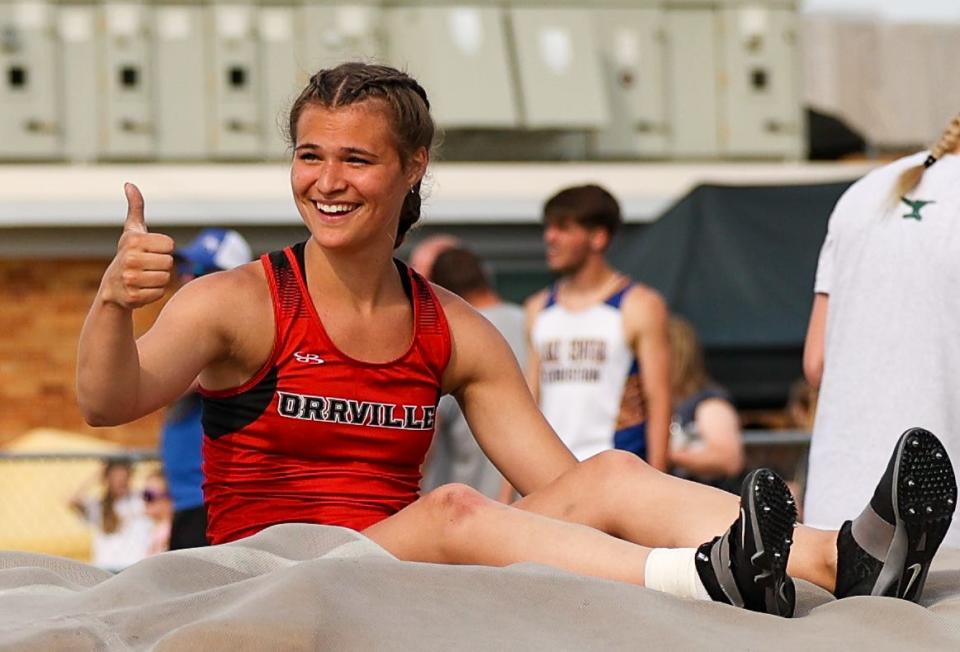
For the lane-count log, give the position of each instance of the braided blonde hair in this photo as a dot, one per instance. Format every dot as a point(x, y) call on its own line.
point(911, 177)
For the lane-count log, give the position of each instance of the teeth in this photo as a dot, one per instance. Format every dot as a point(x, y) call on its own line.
point(334, 208)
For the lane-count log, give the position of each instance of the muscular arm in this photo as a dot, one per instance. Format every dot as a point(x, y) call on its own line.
point(646, 316)
point(120, 379)
point(813, 347)
point(484, 376)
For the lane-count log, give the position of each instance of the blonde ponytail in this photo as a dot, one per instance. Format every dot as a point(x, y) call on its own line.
point(910, 178)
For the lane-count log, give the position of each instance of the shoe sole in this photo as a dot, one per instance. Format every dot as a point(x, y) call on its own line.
point(924, 496)
point(770, 512)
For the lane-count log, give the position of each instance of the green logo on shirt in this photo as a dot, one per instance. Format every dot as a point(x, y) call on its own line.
point(915, 206)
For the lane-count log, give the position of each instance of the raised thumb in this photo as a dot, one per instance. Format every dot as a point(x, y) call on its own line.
point(134, 221)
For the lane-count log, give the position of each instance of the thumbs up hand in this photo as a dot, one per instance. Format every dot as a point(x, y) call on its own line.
point(143, 266)
point(135, 221)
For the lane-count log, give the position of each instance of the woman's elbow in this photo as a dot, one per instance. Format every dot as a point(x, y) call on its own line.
point(98, 419)
point(813, 369)
point(99, 416)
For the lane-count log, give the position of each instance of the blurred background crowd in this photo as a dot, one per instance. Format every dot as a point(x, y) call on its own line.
point(727, 130)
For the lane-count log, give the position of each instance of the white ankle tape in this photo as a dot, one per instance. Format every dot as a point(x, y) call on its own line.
point(674, 571)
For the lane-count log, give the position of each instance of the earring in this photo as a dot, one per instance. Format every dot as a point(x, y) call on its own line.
point(413, 190)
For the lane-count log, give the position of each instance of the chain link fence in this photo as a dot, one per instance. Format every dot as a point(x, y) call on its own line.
point(36, 488)
point(35, 494)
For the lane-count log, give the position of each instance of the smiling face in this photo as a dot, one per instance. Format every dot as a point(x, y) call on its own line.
point(349, 178)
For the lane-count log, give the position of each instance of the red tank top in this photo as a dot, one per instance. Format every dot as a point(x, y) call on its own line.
point(316, 436)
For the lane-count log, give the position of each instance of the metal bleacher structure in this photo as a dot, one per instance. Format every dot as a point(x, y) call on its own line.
point(600, 79)
point(649, 97)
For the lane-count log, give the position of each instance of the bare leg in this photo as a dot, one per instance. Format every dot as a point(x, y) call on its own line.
point(620, 494)
point(456, 525)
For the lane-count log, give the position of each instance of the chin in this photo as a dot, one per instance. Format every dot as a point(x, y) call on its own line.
point(328, 240)
point(559, 268)
point(343, 240)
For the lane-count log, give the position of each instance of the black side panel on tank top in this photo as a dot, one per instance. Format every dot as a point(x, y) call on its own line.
point(404, 277)
point(221, 416)
point(298, 253)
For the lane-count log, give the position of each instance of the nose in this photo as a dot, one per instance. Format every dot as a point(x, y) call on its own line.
point(549, 234)
point(330, 179)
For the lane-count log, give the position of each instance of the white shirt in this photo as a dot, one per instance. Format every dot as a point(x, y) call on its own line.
point(130, 542)
point(892, 340)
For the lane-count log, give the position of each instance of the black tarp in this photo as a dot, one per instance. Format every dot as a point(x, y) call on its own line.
point(739, 263)
point(829, 138)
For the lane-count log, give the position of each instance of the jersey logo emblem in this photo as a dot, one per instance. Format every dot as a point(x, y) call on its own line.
point(915, 206)
point(308, 358)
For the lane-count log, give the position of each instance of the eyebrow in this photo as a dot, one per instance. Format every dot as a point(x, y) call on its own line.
point(343, 150)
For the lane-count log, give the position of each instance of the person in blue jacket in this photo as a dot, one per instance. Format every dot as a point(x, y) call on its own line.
point(181, 438)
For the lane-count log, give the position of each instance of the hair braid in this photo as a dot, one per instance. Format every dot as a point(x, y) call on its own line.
point(949, 140)
point(910, 178)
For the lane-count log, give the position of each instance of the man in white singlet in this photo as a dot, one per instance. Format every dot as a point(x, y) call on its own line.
point(599, 354)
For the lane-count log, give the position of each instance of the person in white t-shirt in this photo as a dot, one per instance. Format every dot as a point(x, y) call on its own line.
point(882, 343)
point(118, 518)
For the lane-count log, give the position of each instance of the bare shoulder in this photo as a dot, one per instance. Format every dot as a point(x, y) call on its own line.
point(535, 303)
point(642, 303)
point(459, 313)
point(227, 293)
point(233, 306)
point(717, 409)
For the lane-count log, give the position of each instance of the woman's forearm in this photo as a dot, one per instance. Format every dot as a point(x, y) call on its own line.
point(108, 365)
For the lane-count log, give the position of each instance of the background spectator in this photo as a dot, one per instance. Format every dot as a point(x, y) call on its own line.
point(121, 527)
point(705, 440)
point(599, 361)
point(423, 255)
point(802, 405)
point(882, 343)
point(181, 438)
point(159, 509)
point(455, 455)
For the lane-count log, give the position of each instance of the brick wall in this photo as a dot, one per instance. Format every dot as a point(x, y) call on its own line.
point(42, 307)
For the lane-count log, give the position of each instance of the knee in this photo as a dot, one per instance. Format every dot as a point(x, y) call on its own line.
point(454, 504)
point(454, 510)
point(614, 464)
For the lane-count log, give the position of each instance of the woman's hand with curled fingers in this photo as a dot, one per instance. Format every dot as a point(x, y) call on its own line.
point(142, 269)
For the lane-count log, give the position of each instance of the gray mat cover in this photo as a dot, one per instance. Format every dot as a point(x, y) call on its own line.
point(308, 587)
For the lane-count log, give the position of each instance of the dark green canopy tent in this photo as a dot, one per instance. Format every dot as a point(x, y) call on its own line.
point(739, 263)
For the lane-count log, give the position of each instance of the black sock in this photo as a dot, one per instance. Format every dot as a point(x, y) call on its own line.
point(881, 502)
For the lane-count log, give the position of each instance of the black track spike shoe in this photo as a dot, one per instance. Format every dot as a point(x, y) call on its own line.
point(887, 550)
point(747, 566)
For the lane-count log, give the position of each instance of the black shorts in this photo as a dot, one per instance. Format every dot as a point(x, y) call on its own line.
point(189, 529)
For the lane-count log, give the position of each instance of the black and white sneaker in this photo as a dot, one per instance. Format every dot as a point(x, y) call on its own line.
point(747, 566)
point(887, 550)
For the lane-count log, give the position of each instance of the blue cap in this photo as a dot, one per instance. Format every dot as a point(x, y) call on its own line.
point(214, 250)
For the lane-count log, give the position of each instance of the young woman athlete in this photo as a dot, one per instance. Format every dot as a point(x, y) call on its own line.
point(321, 364)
